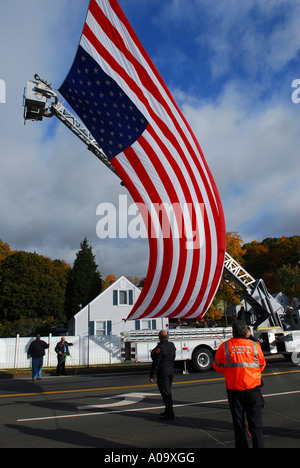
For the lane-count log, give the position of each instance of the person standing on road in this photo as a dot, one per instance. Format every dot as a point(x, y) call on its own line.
point(242, 362)
point(62, 350)
point(163, 357)
point(36, 351)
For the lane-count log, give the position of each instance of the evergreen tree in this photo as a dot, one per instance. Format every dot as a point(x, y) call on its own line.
point(84, 283)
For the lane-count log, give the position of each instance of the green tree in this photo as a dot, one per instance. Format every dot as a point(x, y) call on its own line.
point(84, 283)
point(288, 280)
point(267, 260)
point(288, 251)
point(32, 287)
point(257, 259)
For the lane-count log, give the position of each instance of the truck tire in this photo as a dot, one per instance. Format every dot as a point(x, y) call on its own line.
point(202, 359)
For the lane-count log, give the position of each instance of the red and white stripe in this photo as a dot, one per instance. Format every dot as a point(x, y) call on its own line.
point(165, 165)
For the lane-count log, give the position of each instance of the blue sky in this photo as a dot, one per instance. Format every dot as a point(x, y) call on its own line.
point(200, 46)
point(229, 64)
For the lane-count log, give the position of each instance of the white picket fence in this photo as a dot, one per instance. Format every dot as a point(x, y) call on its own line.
point(87, 350)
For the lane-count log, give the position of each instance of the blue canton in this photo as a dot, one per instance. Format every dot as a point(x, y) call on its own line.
point(109, 114)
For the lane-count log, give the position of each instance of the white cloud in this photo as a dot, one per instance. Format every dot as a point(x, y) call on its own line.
point(254, 157)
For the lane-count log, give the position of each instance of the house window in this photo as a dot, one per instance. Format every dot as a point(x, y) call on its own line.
point(100, 328)
point(146, 324)
point(123, 297)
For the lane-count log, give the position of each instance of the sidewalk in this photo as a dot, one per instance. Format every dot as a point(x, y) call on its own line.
point(71, 370)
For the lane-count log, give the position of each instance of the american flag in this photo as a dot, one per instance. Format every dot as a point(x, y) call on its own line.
point(115, 89)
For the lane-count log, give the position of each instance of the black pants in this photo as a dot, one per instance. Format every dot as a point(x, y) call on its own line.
point(61, 364)
point(164, 383)
point(247, 404)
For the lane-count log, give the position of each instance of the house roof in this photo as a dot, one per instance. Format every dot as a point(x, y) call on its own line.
point(113, 286)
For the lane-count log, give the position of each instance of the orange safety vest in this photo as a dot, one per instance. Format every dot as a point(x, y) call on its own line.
point(242, 362)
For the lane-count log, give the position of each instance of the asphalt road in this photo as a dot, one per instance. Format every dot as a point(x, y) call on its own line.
point(121, 410)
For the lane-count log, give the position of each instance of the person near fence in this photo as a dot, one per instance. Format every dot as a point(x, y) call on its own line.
point(62, 350)
point(36, 352)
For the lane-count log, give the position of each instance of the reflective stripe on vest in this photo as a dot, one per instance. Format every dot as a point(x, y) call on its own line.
point(230, 364)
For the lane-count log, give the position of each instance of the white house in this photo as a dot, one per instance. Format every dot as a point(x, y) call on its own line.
point(107, 313)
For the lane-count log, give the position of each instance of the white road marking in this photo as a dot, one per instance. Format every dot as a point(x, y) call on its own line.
point(151, 408)
point(128, 399)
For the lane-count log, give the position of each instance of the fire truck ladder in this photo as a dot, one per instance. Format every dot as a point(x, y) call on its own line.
point(254, 292)
point(41, 101)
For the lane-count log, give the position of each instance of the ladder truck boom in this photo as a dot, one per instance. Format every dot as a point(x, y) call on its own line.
point(254, 292)
point(39, 101)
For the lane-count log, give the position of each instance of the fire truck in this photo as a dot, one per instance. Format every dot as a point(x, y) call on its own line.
point(277, 328)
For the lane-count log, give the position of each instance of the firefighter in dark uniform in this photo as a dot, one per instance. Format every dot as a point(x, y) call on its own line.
point(163, 357)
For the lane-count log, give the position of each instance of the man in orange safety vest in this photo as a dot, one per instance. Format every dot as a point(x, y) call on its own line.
point(242, 362)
